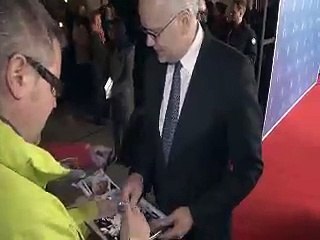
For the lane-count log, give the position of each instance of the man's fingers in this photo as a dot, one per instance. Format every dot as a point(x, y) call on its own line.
point(160, 224)
point(125, 193)
point(155, 225)
point(172, 233)
point(132, 191)
point(168, 221)
point(130, 195)
point(135, 197)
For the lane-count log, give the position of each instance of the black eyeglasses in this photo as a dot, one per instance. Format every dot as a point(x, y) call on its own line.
point(55, 83)
point(155, 35)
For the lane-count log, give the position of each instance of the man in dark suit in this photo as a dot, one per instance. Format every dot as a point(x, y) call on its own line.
point(200, 144)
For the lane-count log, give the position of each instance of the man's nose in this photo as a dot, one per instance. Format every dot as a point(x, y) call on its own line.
point(150, 41)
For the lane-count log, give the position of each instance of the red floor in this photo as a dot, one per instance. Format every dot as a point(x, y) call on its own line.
point(286, 202)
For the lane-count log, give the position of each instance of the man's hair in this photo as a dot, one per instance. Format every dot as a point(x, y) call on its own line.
point(27, 28)
point(179, 5)
point(202, 7)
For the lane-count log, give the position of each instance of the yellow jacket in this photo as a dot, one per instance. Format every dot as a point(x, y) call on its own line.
point(27, 211)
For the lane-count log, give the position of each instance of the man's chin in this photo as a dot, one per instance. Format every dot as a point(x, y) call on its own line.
point(37, 140)
point(166, 60)
point(162, 59)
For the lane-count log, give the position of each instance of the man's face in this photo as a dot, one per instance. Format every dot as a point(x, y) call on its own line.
point(236, 14)
point(43, 98)
point(97, 20)
point(34, 97)
point(97, 24)
point(166, 37)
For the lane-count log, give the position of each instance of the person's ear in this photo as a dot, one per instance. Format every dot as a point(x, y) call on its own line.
point(16, 76)
point(185, 20)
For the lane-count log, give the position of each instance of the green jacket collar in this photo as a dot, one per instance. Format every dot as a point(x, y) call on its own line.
point(26, 159)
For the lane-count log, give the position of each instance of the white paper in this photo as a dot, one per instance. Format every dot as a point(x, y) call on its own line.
point(108, 88)
point(112, 231)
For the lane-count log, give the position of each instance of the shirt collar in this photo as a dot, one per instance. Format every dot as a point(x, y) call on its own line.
point(189, 59)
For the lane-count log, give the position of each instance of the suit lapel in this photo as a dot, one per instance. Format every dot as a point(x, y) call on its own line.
point(191, 100)
point(158, 78)
point(159, 75)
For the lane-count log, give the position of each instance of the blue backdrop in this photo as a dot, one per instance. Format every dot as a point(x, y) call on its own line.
point(296, 59)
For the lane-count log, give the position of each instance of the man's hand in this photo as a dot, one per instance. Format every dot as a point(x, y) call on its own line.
point(134, 225)
point(132, 189)
point(181, 221)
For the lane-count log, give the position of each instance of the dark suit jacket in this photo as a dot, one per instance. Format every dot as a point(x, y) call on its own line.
point(215, 158)
point(244, 39)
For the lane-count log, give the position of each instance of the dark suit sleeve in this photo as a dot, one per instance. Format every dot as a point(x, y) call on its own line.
point(244, 130)
point(141, 156)
point(251, 49)
point(142, 145)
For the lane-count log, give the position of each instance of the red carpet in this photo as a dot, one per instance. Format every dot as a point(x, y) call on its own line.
point(286, 203)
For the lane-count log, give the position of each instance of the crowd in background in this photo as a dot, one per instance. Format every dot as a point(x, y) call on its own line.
point(98, 49)
point(107, 42)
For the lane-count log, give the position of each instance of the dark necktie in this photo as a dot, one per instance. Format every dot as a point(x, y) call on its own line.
point(172, 113)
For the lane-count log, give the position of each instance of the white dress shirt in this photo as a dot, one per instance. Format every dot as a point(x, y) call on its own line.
point(188, 62)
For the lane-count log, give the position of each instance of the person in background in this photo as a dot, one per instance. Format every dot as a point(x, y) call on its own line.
point(238, 33)
point(200, 142)
point(217, 21)
point(203, 13)
point(121, 61)
point(99, 63)
point(29, 87)
point(108, 15)
point(80, 83)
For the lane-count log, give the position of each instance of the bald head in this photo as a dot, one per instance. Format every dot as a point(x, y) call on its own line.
point(170, 26)
point(167, 8)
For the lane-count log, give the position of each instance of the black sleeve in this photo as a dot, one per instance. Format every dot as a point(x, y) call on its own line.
point(244, 133)
point(251, 49)
point(140, 147)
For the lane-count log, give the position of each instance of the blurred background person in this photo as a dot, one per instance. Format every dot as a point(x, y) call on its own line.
point(238, 33)
point(203, 12)
point(79, 83)
point(217, 21)
point(121, 52)
point(100, 67)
